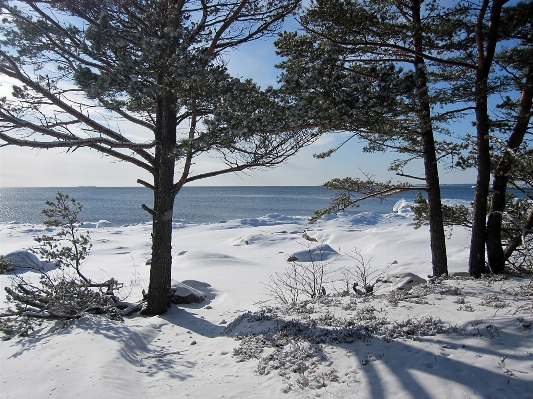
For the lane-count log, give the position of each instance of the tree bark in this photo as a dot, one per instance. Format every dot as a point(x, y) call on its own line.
point(477, 243)
point(160, 272)
point(476, 263)
point(436, 227)
point(495, 252)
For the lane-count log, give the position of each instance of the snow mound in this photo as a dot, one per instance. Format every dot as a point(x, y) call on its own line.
point(316, 254)
point(402, 206)
point(97, 225)
point(26, 261)
point(365, 218)
point(271, 219)
point(398, 281)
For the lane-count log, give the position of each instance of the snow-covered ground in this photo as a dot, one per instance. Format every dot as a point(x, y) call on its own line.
point(454, 338)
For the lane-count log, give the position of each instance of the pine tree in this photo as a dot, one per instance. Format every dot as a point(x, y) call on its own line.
point(452, 68)
point(379, 62)
point(514, 123)
point(156, 66)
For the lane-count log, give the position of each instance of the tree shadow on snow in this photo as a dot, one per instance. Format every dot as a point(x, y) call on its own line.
point(400, 365)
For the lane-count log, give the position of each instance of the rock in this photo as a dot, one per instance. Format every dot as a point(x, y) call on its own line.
point(292, 258)
point(459, 274)
point(318, 253)
point(183, 294)
point(398, 281)
point(24, 260)
point(307, 237)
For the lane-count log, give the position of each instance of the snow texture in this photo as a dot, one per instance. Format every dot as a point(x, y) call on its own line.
point(416, 337)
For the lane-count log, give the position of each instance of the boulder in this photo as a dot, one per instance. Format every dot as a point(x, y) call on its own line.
point(184, 294)
point(398, 281)
point(24, 260)
point(459, 274)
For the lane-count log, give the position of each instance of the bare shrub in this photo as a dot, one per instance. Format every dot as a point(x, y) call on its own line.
point(363, 273)
point(313, 279)
point(303, 279)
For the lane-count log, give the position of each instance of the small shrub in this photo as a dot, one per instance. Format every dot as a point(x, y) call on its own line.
point(363, 273)
point(68, 247)
point(64, 293)
point(300, 279)
point(6, 265)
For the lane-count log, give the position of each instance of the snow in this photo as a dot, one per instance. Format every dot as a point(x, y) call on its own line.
point(451, 338)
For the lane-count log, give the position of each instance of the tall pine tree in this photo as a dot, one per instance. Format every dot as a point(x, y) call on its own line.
point(370, 42)
point(156, 66)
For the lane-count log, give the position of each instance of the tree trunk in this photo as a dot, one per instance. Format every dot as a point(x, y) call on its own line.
point(485, 56)
point(436, 227)
point(495, 252)
point(476, 264)
point(160, 272)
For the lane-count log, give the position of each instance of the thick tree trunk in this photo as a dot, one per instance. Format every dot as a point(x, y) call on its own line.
point(495, 252)
point(486, 46)
point(436, 227)
point(476, 264)
point(159, 286)
point(495, 255)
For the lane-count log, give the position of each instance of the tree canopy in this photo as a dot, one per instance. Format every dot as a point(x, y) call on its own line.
point(442, 63)
point(155, 66)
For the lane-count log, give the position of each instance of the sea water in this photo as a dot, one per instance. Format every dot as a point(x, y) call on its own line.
point(122, 206)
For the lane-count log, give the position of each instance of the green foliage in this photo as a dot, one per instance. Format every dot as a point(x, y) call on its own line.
point(352, 191)
point(517, 209)
point(350, 71)
point(521, 173)
point(58, 295)
point(67, 248)
point(6, 265)
point(64, 293)
point(455, 215)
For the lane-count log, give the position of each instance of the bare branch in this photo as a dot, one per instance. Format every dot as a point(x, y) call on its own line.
point(410, 176)
point(227, 23)
point(146, 184)
point(149, 210)
point(23, 78)
point(75, 143)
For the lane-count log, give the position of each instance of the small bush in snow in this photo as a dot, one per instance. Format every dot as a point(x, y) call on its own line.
point(64, 293)
point(302, 279)
point(6, 265)
point(363, 273)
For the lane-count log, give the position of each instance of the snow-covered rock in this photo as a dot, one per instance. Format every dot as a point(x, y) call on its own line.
point(398, 281)
point(24, 260)
point(182, 293)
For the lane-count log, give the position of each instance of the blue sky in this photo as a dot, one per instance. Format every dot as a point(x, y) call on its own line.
point(24, 167)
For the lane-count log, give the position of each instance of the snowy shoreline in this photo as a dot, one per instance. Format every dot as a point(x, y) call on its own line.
point(233, 259)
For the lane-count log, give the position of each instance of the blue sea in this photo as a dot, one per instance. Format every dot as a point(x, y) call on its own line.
point(122, 206)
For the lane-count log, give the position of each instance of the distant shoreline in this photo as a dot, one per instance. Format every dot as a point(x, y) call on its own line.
point(213, 186)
